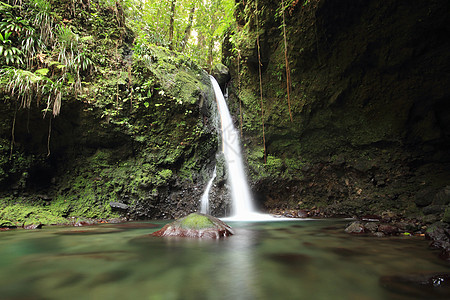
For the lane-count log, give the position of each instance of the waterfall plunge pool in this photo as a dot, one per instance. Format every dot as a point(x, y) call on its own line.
point(308, 259)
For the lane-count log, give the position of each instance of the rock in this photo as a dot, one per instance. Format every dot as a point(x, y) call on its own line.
point(371, 226)
point(44, 197)
point(196, 225)
point(440, 239)
point(118, 205)
point(423, 198)
point(355, 228)
point(419, 286)
point(371, 218)
point(446, 217)
point(433, 209)
point(443, 196)
point(407, 226)
point(362, 165)
point(221, 74)
point(388, 216)
point(33, 226)
point(429, 219)
point(302, 214)
point(388, 229)
point(85, 222)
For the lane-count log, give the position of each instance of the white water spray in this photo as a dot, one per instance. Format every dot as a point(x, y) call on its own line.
point(242, 204)
point(204, 208)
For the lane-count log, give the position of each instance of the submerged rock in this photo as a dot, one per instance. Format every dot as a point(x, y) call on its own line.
point(196, 225)
point(426, 286)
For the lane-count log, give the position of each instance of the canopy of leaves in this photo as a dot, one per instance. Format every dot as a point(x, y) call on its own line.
point(198, 26)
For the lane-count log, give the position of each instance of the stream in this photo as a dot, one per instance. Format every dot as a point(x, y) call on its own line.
point(308, 259)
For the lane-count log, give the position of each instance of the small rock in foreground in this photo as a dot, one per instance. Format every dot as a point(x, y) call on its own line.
point(196, 225)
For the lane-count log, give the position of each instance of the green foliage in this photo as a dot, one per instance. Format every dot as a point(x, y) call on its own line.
point(22, 84)
point(10, 53)
point(198, 36)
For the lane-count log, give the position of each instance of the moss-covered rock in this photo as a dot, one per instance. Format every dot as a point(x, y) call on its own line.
point(196, 225)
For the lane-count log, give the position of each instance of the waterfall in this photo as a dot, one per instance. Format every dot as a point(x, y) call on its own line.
point(242, 204)
point(204, 206)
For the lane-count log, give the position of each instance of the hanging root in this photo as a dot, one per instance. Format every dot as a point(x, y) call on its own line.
point(239, 92)
point(13, 138)
point(288, 71)
point(49, 135)
point(260, 83)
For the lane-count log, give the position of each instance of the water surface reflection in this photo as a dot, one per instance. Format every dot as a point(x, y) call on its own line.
point(276, 260)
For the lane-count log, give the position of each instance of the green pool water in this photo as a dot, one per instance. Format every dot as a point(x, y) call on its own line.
point(311, 259)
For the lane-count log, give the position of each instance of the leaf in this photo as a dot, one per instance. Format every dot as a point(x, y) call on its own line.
point(43, 71)
point(86, 38)
point(146, 104)
point(70, 78)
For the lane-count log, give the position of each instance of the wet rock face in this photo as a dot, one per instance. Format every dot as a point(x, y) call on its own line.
point(369, 131)
point(196, 225)
point(221, 74)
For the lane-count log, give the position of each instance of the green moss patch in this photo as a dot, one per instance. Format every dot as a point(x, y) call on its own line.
point(196, 221)
point(21, 214)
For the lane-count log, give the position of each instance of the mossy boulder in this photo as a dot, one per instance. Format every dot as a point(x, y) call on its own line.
point(196, 225)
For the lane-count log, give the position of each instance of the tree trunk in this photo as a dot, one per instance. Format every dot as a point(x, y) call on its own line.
point(187, 32)
point(210, 54)
point(171, 22)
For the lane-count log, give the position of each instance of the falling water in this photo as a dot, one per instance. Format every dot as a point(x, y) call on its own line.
point(242, 204)
point(205, 197)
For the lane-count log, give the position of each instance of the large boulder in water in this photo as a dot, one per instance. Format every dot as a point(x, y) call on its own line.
point(196, 225)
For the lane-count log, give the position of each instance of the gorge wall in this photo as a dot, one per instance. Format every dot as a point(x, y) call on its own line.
point(138, 141)
point(369, 133)
point(369, 100)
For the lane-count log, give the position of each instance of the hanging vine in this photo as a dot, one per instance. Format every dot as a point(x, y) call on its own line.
point(260, 83)
point(239, 90)
point(288, 71)
point(49, 135)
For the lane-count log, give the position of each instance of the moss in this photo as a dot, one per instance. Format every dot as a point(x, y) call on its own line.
point(196, 221)
point(446, 217)
point(21, 214)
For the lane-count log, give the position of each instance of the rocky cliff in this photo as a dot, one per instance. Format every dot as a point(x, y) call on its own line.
point(369, 101)
point(138, 141)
